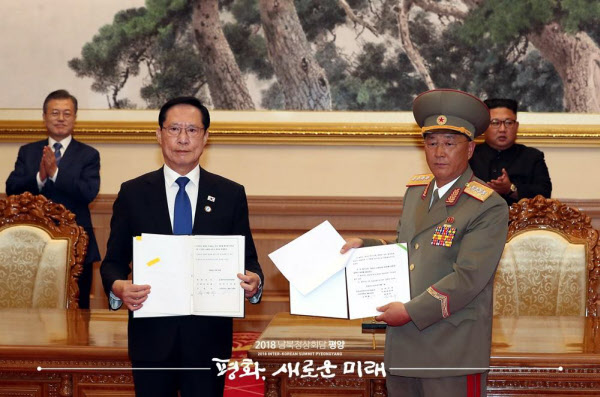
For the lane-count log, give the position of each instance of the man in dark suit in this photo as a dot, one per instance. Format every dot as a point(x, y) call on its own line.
point(165, 202)
point(513, 170)
point(64, 170)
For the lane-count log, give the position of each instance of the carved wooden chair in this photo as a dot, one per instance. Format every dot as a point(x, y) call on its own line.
point(550, 264)
point(41, 253)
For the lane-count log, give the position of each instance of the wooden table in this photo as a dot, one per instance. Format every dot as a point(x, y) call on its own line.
point(530, 356)
point(84, 353)
point(80, 352)
point(527, 353)
point(292, 339)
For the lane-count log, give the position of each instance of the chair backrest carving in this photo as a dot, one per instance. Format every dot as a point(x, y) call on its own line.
point(41, 253)
point(550, 264)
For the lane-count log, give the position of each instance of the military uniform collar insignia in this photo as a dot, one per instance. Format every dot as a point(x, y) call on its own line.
point(426, 190)
point(453, 197)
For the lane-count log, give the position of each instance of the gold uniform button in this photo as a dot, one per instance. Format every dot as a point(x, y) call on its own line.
point(417, 246)
point(412, 266)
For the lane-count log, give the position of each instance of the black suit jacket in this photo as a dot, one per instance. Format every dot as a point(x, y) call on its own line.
point(524, 165)
point(141, 207)
point(76, 186)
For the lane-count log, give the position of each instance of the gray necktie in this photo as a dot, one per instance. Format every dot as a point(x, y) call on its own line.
point(57, 155)
point(436, 198)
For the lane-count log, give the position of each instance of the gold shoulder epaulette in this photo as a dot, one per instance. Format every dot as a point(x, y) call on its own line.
point(478, 190)
point(420, 180)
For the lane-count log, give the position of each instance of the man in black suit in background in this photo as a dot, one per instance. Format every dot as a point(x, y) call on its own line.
point(179, 198)
point(513, 170)
point(64, 170)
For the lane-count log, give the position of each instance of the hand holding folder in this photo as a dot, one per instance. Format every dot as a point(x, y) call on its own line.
point(325, 283)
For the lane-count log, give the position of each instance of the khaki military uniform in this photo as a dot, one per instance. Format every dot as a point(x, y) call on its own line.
point(454, 249)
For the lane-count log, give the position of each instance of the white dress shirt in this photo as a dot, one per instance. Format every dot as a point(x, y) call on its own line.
point(172, 188)
point(51, 141)
point(442, 190)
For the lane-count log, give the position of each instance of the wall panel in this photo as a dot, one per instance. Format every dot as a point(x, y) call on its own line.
point(276, 220)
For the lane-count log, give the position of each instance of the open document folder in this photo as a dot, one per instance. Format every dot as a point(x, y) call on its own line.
point(325, 283)
point(190, 275)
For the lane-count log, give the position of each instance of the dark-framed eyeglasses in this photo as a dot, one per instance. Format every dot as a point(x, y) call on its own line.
point(508, 123)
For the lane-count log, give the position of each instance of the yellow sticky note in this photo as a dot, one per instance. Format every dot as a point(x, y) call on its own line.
point(153, 261)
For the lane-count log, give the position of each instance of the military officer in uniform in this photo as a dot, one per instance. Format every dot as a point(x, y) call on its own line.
point(438, 343)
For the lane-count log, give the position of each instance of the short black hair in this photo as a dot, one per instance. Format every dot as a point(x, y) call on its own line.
point(494, 103)
point(60, 94)
point(184, 100)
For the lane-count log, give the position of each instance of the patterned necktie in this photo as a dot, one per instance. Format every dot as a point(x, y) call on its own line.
point(182, 219)
point(436, 198)
point(57, 146)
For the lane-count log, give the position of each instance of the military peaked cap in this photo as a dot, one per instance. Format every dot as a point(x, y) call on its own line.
point(452, 110)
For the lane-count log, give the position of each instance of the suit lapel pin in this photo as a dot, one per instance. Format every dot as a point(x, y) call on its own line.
point(450, 219)
point(211, 198)
point(207, 208)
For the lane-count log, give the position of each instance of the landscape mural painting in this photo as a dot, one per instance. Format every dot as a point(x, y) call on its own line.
point(342, 55)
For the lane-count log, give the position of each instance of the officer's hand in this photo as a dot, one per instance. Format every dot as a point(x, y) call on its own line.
point(394, 314)
point(249, 283)
point(352, 242)
point(132, 295)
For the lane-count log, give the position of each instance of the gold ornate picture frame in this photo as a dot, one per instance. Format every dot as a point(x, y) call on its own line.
point(295, 127)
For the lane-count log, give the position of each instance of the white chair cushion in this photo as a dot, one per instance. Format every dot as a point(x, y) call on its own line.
point(33, 268)
point(541, 274)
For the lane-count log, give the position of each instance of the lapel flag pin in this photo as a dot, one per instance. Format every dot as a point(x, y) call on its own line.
point(211, 198)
